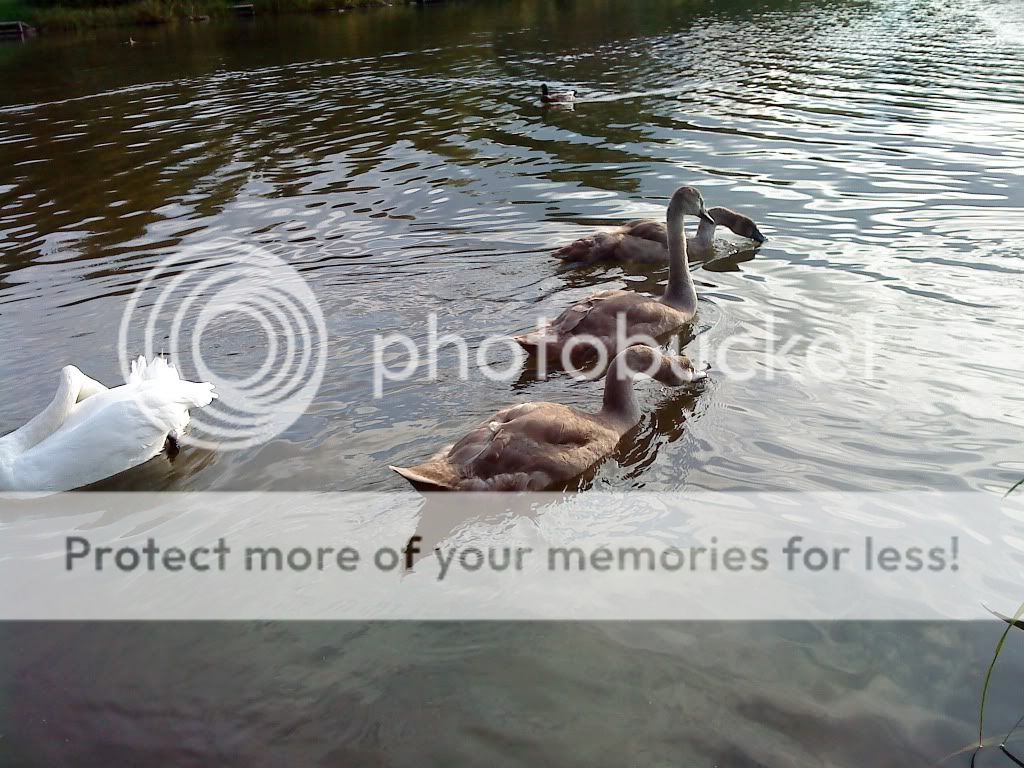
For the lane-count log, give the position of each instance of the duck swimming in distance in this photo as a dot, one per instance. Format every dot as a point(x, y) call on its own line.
point(559, 97)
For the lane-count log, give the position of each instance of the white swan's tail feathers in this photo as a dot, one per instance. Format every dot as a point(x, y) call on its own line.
point(198, 395)
point(169, 408)
point(153, 370)
point(164, 396)
point(189, 394)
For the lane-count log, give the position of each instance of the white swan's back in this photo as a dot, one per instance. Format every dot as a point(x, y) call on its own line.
point(104, 433)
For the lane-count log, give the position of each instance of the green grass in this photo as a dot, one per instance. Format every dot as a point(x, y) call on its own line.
point(142, 13)
point(309, 6)
point(49, 18)
point(1016, 485)
point(991, 668)
point(59, 17)
point(1010, 625)
point(15, 10)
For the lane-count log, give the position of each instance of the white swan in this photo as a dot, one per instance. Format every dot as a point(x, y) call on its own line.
point(88, 432)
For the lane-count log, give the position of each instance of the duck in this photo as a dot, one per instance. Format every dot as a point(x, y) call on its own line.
point(89, 432)
point(645, 241)
point(562, 97)
point(597, 324)
point(539, 445)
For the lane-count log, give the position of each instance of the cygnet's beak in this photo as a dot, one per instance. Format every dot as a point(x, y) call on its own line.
point(757, 237)
point(706, 216)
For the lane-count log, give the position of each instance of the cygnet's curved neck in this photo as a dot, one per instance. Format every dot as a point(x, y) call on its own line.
point(620, 401)
point(680, 293)
point(705, 236)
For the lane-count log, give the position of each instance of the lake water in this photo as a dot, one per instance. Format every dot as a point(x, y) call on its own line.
point(400, 160)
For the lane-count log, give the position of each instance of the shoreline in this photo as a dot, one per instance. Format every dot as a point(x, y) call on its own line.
point(150, 13)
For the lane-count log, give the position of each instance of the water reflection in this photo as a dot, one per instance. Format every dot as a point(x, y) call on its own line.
point(401, 161)
point(414, 171)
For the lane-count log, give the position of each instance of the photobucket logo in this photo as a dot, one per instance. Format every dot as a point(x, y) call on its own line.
point(386, 356)
point(765, 352)
point(231, 283)
point(582, 355)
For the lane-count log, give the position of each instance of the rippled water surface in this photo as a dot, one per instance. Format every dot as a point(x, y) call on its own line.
point(400, 160)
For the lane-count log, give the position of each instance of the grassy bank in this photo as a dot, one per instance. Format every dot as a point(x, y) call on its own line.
point(149, 12)
point(144, 12)
point(15, 10)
